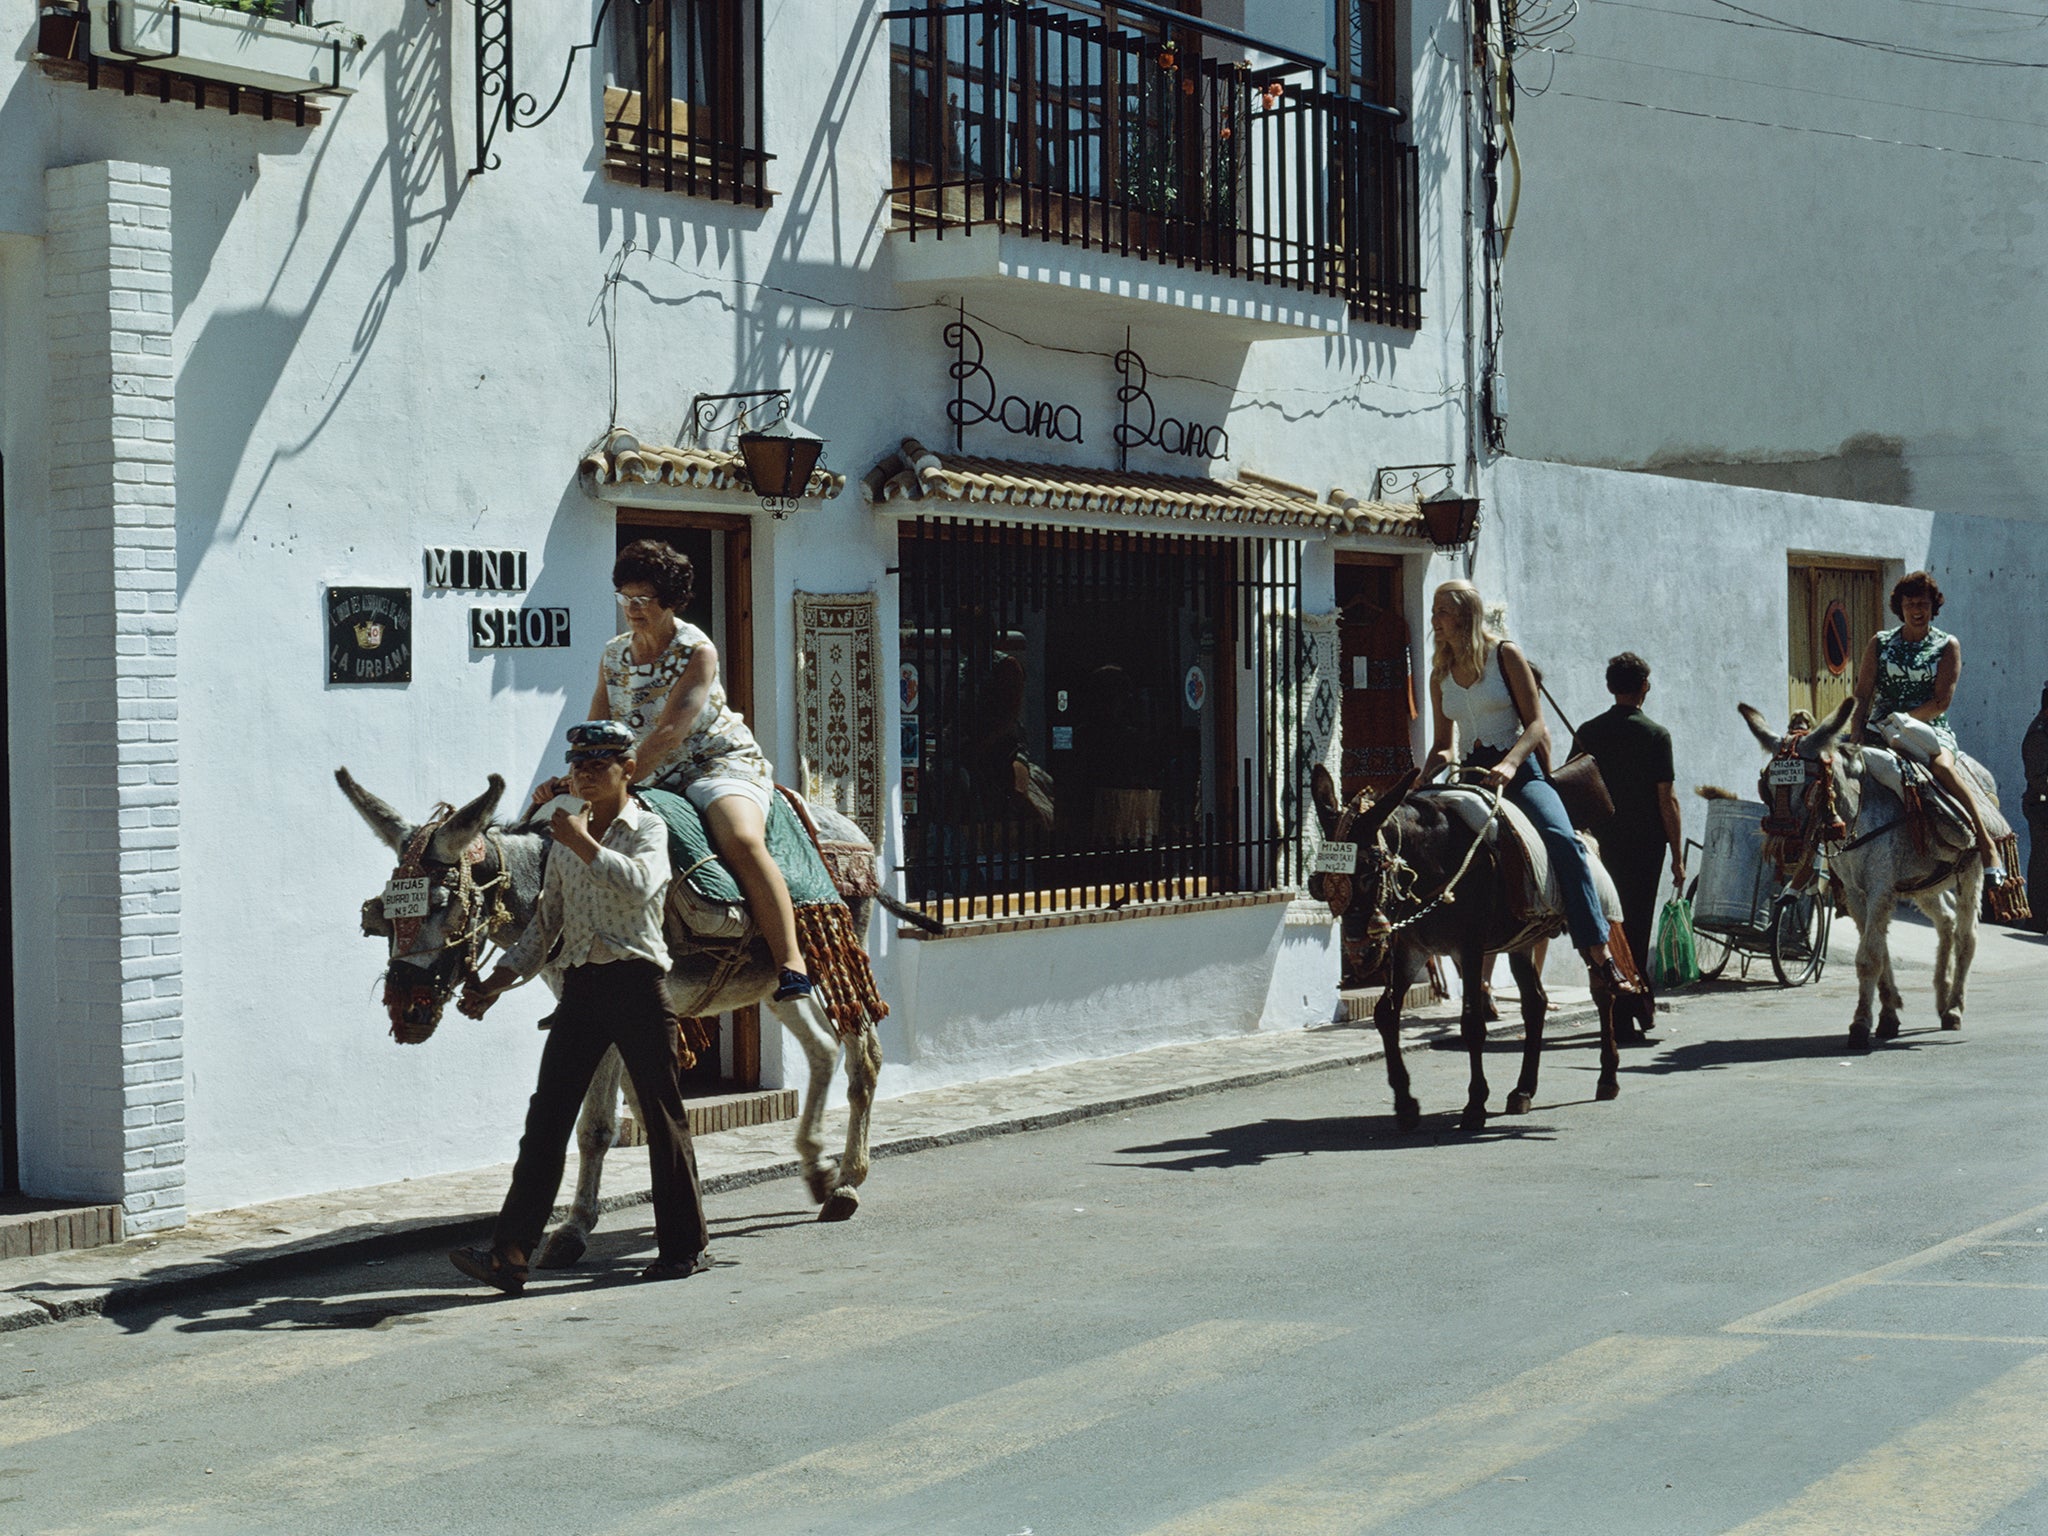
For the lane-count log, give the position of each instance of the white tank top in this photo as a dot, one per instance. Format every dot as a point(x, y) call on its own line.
point(1485, 713)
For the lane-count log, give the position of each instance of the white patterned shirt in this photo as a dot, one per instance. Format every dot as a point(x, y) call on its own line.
point(608, 909)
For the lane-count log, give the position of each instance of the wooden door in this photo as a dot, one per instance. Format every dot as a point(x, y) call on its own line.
point(1834, 610)
point(1378, 683)
point(720, 547)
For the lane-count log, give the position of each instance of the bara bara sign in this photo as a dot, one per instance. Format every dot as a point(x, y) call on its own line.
point(369, 635)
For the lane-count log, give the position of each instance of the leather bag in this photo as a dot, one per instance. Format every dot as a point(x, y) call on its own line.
point(1578, 783)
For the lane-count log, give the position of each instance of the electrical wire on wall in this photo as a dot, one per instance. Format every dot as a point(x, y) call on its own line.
point(1318, 402)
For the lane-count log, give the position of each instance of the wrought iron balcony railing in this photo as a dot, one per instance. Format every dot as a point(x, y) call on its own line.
point(1137, 130)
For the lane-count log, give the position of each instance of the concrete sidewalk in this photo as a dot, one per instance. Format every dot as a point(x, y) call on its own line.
point(280, 1236)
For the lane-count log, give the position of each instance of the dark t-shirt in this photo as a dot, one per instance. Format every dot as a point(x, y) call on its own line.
point(1634, 754)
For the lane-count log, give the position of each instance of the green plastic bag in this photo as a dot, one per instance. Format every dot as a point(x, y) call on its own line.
point(1674, 961)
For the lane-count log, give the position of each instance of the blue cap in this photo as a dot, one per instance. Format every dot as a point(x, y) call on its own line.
point(595, 739)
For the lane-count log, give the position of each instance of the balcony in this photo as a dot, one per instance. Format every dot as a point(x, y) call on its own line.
point(270, 52)
point(1160, 137)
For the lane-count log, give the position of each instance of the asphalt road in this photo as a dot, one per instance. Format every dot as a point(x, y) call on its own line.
point(1775, 1288)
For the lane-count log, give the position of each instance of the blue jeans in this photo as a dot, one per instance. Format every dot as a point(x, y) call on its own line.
point(1533, 795)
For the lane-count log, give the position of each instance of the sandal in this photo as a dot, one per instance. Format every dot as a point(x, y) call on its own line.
point(489, 1266)
point(1627, 985)
point(792, 984)
point(678, 1269)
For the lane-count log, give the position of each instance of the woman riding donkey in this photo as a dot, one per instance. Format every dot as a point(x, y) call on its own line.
point(660, 680)
point(1481, 683)
point(1904, 686)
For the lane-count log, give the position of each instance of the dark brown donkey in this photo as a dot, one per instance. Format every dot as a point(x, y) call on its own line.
point(1430, 880)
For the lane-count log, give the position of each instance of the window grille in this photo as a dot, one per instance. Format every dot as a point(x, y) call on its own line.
point(682, 105)
point(1094, 718)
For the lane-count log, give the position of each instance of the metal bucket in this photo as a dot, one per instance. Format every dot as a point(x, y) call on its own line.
point(1732, 886)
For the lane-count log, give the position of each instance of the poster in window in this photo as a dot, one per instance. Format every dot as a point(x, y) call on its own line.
point(369, 635)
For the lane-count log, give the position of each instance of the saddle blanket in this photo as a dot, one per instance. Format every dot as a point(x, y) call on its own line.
point(704, 894)
point(1536, 896)
point(1884, 767)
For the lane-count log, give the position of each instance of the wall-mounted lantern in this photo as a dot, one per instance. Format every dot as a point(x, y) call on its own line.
point(780, 456)
point(1449, 520)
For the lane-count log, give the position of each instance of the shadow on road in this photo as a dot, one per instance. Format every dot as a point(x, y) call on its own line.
point(615, 1258)
point(1710, 1055)
point(1248, 1145)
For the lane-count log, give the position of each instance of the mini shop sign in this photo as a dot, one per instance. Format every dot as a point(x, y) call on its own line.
point(369, 635)
point(476, 570)
point(520, 629)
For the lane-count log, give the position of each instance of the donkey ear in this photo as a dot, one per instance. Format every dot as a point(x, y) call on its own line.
point(1323, 790)
point(391, 828)
point(1760, 728)
point(1823, 737)
point(467, 824)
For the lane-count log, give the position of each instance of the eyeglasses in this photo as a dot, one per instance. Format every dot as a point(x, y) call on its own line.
point(637, 603)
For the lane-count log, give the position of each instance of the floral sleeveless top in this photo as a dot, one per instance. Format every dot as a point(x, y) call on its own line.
point(718, 746)
point(1905, 676)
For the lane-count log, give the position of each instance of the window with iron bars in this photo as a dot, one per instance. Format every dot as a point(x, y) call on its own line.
point(1093, 719)
point(682, 101)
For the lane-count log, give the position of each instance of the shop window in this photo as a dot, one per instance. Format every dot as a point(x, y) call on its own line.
point(682, 101)
point(1094, 719)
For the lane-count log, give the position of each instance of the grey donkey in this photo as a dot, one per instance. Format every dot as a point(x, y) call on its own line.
point(493, 898)
point(1879, 865)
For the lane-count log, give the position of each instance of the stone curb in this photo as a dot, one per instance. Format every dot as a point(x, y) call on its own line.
point(34, 1305)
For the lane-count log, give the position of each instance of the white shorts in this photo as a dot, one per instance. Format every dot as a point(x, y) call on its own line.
point(701, 792)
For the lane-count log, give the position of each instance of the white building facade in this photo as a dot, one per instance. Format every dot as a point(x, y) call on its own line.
point(268, 358)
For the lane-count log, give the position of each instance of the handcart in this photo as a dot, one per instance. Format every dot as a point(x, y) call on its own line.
point(1740, 907)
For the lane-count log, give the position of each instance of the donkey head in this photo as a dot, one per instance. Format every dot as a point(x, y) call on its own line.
point(1358, 899)
point(1807, 785)
point(429, 954)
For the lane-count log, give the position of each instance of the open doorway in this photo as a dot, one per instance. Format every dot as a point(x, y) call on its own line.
point(720, 551)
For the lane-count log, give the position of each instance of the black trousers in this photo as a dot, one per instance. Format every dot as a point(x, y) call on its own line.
point(1637, 865)
point(619, 1003)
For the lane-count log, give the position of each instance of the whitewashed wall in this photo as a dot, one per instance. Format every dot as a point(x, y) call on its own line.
point(1692, 577)
point(1786, 261)
point(375, 352)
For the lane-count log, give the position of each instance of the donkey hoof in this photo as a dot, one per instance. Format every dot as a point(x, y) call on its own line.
point(1519, 1102)
point(563, 1250)
point(842, 1204)
point(1474, 1117)
point(1951, 1021)
point(1407, 1114)
point(1608, 1089)
point(1888, 1029)
point(822, 1181)
point(1859, 1036)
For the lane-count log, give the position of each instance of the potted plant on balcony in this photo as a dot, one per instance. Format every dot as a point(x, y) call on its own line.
point(265, 45)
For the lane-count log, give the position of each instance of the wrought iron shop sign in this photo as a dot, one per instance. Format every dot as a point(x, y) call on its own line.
point(369, 635)
point(978, 400)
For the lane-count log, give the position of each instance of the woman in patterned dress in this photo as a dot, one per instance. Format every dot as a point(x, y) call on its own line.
point(660, 680)
point(1903, 688)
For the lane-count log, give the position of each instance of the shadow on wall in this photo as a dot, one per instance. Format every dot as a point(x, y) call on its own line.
point(236, 361)
point(1989, 568)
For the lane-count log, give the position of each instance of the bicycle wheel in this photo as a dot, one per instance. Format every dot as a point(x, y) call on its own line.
point(1799, 936)
point(1711, 949)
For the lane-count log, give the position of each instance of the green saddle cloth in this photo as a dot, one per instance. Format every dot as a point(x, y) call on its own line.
point(691, 856)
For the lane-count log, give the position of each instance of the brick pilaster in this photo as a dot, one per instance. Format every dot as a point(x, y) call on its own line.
point(118, 960)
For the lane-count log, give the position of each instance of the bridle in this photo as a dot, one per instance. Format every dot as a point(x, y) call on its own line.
point(1802, 814)
point(476, 913)
point(1391, 877)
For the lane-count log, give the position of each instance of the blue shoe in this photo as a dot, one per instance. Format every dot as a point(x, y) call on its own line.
point(792, 985)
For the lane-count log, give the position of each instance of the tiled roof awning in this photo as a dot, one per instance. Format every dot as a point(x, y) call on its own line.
point(622, 468)
point(916, 479)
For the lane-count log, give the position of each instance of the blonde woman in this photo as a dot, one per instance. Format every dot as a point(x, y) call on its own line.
point(1483, 697)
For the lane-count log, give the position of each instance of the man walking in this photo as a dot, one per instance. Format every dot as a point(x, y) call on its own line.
point(2034, 755)
point(607, 878)
point(1634, 754)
